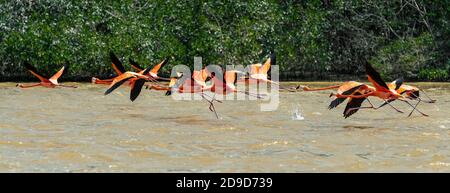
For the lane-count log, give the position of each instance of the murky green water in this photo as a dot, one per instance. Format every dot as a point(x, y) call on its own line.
point(81, 130)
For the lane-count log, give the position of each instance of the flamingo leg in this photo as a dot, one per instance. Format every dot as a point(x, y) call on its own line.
point(213, 98)
point(425, 101)
point(67, 86)
point(429, 98)
point(211, 105)
point(373, 106)
point(357, 108)
point(351, 96)
point(162, 78)
point(414, 108)
point(258, 96)
point(389, 103)
point(28, 86)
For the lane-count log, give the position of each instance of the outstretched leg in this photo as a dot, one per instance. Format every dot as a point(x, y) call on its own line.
point(389, 103)
point(373, 107)
point(357, 108)
point(211, 105)
point(430, 100)
point(67, 86)
point(213, 98)
point(351, 96)
point(27, 86)
point(258, 96)
point(414, 108)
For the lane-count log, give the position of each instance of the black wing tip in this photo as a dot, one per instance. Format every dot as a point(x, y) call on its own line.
point(168, 93)
point(132, 62)
point(136, 90)
point(165, 61)
point(29, 66)
point(135, 64)
point(336, 102)
point(347, 113)
point(114, 58)
point(107, 92)
point(66, 69)
point(273, 59)
point(132, 98)
point(375, 75)
point(147, 70)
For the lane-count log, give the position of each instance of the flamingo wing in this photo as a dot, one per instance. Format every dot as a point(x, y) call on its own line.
point(172, 83)
point(135, 65)
point(230, 77)
point(146, 71)
point(116, 64)
point(119, 81)
point(266, 66)
point(254, 69)
point(353, 103)
point(156, 68)
point(63, 70)
point(136, 88)
point(200, 77)
point(349, 91)
point(33, 71)
point(375, 78)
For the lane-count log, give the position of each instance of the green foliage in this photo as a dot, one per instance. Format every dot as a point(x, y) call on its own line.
point(313, 39)
point(405, 57)
point(434, 74)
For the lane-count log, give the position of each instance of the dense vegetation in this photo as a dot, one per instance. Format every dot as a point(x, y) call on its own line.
point(314, 40)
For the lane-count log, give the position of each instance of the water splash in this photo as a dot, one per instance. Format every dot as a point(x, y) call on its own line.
point(296, 114)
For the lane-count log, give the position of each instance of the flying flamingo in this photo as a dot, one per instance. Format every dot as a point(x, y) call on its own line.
point(136, 80)
point(46, 82)
point(358, 92)
point(117, 66)
point(196, 84)
point(411, 92)
point(349, 88)
point(188, 85)
point(382, 91)
point(259, 72)
point(154, 71)
point(224, 85)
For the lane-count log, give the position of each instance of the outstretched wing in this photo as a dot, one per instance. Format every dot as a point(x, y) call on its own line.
point(375, 78)
point(338, 101)
point(119, 81)
point(254, 68)
point(146, 71)
point(33, 71)
point(353, 103)
point(231, 77)
point(266, 66)
point(136, 88)
point(135, 65)
point(156, 68)
point(116, 64)
point(62, 71)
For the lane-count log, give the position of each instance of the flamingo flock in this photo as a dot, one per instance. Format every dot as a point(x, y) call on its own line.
point(209, 80)
point(357, 93)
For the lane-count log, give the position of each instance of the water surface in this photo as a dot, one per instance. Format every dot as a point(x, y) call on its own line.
point(81, 130)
